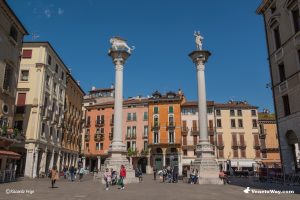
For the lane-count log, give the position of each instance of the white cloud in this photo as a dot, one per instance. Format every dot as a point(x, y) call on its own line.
point(47, 12)
point(60, 11)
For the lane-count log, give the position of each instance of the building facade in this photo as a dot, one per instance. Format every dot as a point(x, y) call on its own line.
point(282, 25)
point(270, 156)
point(11, 37)
point(190, 130)
point(72, 126)
point(165, 130)
point(40, 106)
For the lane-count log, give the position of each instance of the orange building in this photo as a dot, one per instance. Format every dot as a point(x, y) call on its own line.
point(165, 129)
point(268, 140)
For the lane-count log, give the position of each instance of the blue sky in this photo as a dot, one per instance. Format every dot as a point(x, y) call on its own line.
point(162, 32)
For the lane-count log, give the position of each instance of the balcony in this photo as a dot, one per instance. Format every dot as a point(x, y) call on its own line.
point(184, 130)
point(220, 145)
point(111, 136)
point(256, 146)
point(234, 145)
point(145, 136)
point(99, 137)
point(12, 134)
point(99, 123)
point(171, 125)
point(87, 137)
point(155, 127)
point(242, 145)
point(20, 109)
point(195, 131)
point(111, 122)
point(88, 123)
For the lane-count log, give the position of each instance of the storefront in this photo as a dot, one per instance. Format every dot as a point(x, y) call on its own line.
point(8, 165)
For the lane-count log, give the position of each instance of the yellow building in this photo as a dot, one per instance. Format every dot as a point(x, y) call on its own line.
point(237, 135)
point(269, 140)
point(40, 106)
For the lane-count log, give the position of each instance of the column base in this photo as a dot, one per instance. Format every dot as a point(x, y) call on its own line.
point(115, 161)
point(208, 168)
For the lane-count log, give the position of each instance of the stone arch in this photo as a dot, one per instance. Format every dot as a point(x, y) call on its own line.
point(293, 148)
point(273, 21)
point(291, 137)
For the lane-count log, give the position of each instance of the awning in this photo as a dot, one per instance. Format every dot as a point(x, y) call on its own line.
point(242, 163)
point(10, 154)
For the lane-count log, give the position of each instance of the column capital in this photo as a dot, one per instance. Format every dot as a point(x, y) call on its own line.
point(200, 65)
point(119, 64)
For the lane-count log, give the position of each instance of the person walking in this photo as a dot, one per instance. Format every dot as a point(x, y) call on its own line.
point(65, 172)
point(81, 172)
point(72, 171)
point(54, 175)
point(107, 178)
point(154, 172)
point(122, 176)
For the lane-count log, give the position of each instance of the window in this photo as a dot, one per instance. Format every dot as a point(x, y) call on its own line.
point(133, 145)
point(235, 153)
point(24, 75)
point(239, 113)
point(54, 87)
point(145, 145)
point(51, 132)
point(102, 130)
point(209, 110)
point(145, 131)
point(171, 120)
point(155, 110)
point(171, 137)
point(156, 122)
point(56, 68)
point(219, 123)
point(277, 37)
point(155, 139)
point(133, 134)
point(240, 122)
point(49, 60)
point(281, 72)
point(233, 123)
point(62, 75)
point(20, 109)
point(47, 81)
point(133, 116)
point(195, 139)
point(171, 109)
point(218, 112)
point(253, 112)
point(97, 146)
point(185, 152)
point(221, 153)
point(296, 20)
point(286, 105)
point(257, 153)
point(128, 116)
point(43, 129)
point(254, 123)
point(145, 116)
point(128, 133)
point(243, 153)
point(13, 33)
point(27, 53)
point(184, 140)
point(7, 77)
point(87, 146)
point(231, 112)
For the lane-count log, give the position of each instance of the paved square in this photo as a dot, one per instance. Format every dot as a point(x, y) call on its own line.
point(147, 190)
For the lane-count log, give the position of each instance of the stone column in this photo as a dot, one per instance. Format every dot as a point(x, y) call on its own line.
point(52, 160)
point(164, 150)
point(43, 161)
point(99, 163)
point(119, 52)
point(205, 161)
point(179, 162)
point(149, 169)
point(83, 162)
point(58, 161)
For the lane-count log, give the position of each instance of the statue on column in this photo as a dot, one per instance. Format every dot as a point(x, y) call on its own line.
point(198, 40)
point(118, 43)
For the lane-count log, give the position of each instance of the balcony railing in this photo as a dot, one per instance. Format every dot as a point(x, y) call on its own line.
point(99, 137)
point(242, 145)
point(12, 134)
point(171, 125)
point(184, 130)
point(220, 144)
point(99, 122)
point(234, 144)
point(129, 137)
point(145, 136)
point(111, 136)
point(87, 137)
point(195, 131)
point(256, 145)
point(155, 126)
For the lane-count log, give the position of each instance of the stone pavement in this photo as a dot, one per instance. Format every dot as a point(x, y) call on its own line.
point(147, 190)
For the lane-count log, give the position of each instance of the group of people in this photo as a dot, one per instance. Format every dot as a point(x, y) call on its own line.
point(194, 176)
point(72, 171)
point(110, 177)
point(167, 174)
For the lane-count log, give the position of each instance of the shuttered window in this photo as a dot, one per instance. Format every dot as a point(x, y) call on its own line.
point(27, 53)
